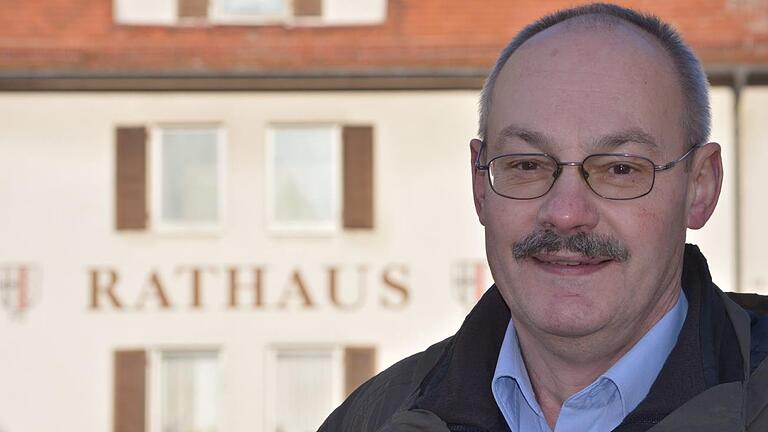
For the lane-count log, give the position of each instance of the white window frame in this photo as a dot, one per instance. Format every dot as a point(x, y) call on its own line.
point(155, 175)
point(302, 229)
point(270, 375)
point(154, 402)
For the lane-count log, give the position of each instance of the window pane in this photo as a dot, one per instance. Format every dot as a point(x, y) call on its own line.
point(189, 392)
point(304, 390)
point(305, 190)
point(253, 7)
point(189, 175)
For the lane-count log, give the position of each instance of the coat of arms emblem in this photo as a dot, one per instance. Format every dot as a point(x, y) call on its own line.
point(19, 288)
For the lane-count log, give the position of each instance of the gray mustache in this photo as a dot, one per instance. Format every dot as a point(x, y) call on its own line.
point(587, 244)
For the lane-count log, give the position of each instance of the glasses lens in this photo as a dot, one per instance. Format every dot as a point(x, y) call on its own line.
point(619, 177)
point(522, 176)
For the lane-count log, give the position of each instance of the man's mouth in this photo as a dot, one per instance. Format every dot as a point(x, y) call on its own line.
point(573, 265)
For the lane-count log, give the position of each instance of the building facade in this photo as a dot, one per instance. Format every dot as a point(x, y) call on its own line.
point(224, 215)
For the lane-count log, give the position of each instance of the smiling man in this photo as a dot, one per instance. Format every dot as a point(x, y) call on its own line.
point(591, 164)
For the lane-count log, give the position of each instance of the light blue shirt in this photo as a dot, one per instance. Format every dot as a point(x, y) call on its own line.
point(602, 405)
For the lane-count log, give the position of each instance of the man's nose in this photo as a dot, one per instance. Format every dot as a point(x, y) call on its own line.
point(569, 206)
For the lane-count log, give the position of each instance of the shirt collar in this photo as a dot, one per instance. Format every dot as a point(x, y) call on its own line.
point(511, 365)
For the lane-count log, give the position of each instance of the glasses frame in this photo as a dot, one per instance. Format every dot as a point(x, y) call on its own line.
point(584, 174)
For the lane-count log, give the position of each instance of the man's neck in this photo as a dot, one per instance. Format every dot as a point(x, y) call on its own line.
point(555, 379)
point(560, 367)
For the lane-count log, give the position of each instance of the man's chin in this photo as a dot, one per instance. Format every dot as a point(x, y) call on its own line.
point(571, 331)
point(571, 310)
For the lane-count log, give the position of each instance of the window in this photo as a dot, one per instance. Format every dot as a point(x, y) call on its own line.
point(253, 7)
point(250, 12)
point(187, 177)
point(320, 177)
point(305, 384)
point(166, 390)
point(184, 179)
point(187, 391)
point(303, 165)
point(307, 388)
point(264, 10)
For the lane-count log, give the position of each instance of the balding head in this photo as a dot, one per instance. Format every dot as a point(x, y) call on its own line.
point(690, 77)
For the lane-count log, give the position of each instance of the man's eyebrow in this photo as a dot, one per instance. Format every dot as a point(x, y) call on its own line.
point(611, 141)
point(534, 138)
point(606, 142)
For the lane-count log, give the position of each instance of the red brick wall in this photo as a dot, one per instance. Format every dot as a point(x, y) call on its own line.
point(80, 35)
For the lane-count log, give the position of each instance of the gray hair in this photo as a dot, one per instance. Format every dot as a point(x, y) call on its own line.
point(696, 116)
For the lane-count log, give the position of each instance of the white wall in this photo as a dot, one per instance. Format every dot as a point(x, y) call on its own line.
point(717, 240)
point(57, 182)
point(754, 156)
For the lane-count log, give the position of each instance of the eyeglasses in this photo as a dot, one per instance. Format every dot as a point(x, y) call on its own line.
point(614, 176)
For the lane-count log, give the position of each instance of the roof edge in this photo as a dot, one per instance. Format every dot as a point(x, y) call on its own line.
point(389, 79)
point(291, 80)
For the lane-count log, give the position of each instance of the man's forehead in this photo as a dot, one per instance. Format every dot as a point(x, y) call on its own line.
point(587, 69)
point(583, 44)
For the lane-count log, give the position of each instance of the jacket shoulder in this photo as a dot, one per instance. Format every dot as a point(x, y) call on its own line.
point(755, 303)
point(757, 400)
point(371, 404)
point(756, 306)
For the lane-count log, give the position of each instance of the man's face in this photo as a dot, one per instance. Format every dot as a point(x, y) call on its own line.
point(575, 88)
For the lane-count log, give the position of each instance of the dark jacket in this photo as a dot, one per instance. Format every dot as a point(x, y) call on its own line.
point(714, 380)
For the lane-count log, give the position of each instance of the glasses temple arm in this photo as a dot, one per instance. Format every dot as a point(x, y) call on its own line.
point(669, 165)
point(478, 165)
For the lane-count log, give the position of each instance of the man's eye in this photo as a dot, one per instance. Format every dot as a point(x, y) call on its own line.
point(621, 169)
point(526, 165)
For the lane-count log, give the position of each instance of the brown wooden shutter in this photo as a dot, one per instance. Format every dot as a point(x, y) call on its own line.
point(359, 366)
point(358, 177)
point(131, 178)
point(129, 409)
point(307, 8)
point(193, 8)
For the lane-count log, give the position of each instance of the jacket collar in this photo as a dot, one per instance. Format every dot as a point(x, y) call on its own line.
point(458, 389)
point(707, 353)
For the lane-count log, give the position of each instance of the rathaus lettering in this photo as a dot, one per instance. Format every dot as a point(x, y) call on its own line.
point(248, 288)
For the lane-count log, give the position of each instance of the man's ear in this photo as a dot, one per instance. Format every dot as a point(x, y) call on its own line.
point(706, 180)
point(478, 179)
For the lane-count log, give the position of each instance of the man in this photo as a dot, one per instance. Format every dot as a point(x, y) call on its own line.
point(593, 160)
